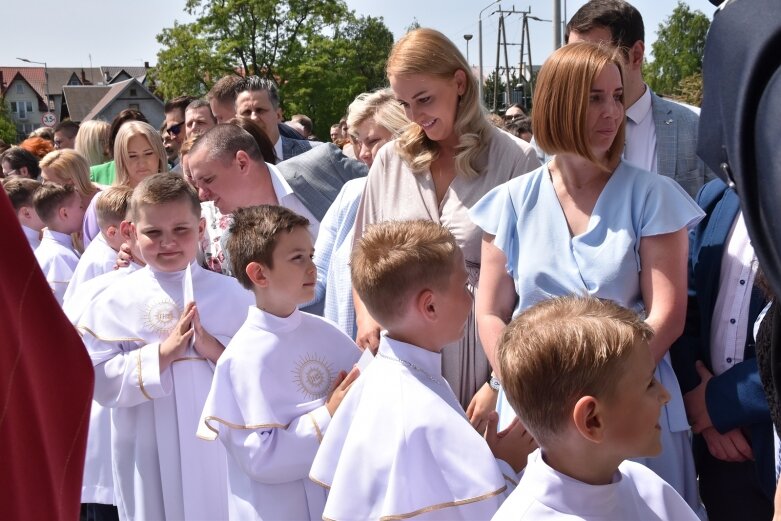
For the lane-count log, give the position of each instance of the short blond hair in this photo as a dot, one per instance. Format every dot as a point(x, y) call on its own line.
point(127, 131)
point(380, 105)
point(561, 100)
point(560, 350)
point(92, 141)
point(69, 168)
point(112, 206)
point(162, 189)
point(253, 236)
point(395, 259)
point(49, 198)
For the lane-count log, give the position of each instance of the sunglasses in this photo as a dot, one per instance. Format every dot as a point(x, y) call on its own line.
point(175, 129)
point(513, 117)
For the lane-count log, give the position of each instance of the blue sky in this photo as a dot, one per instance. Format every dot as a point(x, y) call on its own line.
point(121, 32)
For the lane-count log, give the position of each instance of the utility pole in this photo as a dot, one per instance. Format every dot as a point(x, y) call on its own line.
point(480, 48)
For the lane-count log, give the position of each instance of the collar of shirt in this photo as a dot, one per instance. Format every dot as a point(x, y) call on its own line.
point(278, 149)
point(641, 108)
point(281, 187)
point(62, 238)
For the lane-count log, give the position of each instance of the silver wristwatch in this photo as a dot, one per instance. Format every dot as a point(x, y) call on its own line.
point(494, 383)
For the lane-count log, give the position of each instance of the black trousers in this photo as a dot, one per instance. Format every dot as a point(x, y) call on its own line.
point(730, 491)
point(98, 512)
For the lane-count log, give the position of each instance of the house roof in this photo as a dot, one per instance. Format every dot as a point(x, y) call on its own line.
point(60, 76)
point(33, 75)
point(115, 91)
point(82, 98)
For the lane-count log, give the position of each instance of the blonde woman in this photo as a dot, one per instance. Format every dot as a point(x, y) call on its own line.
point(92, 141)
point(138, 153)
point(68, 167)
point(443, 163)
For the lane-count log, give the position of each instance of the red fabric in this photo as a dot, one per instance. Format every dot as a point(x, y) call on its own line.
point(46, 382)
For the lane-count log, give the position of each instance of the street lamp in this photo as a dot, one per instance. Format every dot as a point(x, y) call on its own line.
point(46, 76)
point(467, 37)
point(480, 47)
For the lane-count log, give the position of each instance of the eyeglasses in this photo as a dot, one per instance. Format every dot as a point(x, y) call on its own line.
point(512, 117)
point(175, 129)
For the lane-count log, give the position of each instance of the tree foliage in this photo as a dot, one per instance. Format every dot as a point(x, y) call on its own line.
point(320, 53)
point(7, 126)
point(677, 50)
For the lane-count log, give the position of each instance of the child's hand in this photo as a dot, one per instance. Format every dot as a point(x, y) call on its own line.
point(124, 256)
point(205, 344)
point(339, 390)
point(513, 445)
point(481, 406)
point(175, 345)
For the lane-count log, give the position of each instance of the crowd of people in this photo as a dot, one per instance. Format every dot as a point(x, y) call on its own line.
point(439, 314)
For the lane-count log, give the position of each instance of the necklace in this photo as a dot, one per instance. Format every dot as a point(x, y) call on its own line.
point(412, 366)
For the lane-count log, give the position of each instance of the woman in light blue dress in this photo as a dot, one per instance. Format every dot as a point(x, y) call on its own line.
point(589, 223)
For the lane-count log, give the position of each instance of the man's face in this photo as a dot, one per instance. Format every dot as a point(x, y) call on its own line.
point(256, 105)
point(61, 140)
point(223, 110)
point(219, 179)
point(174, 125)
point(513, 113)
point(197, 121)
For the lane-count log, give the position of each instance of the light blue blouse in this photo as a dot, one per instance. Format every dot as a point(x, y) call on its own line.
point(529, 226)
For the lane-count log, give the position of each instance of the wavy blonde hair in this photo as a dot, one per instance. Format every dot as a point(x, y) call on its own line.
point(68, 167)
point(92, 141)
point(129, 130)
point(426, 51)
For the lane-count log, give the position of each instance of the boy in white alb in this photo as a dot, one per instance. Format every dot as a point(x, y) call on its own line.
point(580, 375)
point(61, 210)
point(269, 403)
point(400, 445)
point(20, 191)
point(154, 337)
point(101, 254)
point(97, 488)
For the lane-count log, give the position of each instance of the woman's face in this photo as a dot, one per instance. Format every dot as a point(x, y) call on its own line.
point(368, 138)
point(430, 101)
point(142, 160)
point(605, 110)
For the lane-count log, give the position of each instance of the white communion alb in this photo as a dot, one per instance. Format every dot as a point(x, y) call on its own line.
point(400, 446)
point(267, 406)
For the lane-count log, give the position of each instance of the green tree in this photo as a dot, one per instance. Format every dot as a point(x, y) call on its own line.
point(677, 50)
point(7, 127)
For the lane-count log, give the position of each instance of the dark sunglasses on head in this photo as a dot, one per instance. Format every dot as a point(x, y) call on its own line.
point(175, 129)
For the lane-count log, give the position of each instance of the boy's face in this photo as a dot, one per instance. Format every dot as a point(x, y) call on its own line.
point(632, 414)
point(72, 215)
point(456, 301)
point(292, 279)
point(167, 234)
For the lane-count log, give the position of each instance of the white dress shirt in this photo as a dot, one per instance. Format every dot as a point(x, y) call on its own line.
point(641, 133)
point(730, 313)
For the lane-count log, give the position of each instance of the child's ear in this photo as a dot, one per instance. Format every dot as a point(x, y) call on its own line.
point(63, 213)
point(257, 274)
point(111, 231)
point(588, 419)
point(126, 230)
point(426, 305)
point(201, 227)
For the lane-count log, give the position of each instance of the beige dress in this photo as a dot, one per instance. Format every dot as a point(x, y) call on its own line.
point(393, 192)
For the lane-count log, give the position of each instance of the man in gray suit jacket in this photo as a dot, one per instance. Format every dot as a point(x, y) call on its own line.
point(258, 99)
point(661, 135)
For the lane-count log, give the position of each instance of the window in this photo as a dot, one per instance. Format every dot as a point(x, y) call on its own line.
point(19, 88)
point(29, 106)
point(133, 92)
point(13, 106)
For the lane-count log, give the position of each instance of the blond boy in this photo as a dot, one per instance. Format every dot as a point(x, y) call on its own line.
point(101, 254)
point(154, 337)
point(20, 191)
point(580, 375)
point(401, 446)
point(282, 376)
point(62, 212)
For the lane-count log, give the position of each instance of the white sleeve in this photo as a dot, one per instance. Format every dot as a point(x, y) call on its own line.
point(127, 378)
point(278, 455)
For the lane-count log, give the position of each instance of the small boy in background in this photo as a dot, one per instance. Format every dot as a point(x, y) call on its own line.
point(401, 446)
point(154, 337)
point(580, 375)
point(282, 376)
point(62, 212)
point(20, 191)
point(101, 254)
